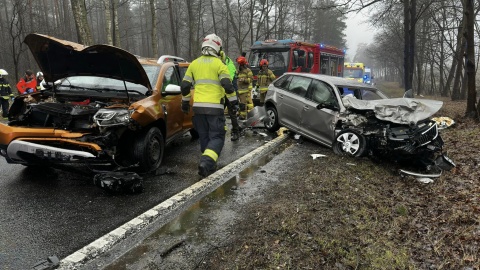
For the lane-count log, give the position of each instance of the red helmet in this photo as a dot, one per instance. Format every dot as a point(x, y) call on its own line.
point(242, 60)
point(263, 62)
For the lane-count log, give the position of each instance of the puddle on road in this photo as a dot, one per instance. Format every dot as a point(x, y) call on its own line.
point(191, 221)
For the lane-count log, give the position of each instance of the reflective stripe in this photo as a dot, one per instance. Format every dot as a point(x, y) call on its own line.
point(222, 76)
point(188, 78)
point(209, 105)
point(233, 98)
point(186, 98)
point(211, 154)
point(209, 81)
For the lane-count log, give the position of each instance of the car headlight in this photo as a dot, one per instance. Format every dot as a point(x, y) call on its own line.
point(110, 117)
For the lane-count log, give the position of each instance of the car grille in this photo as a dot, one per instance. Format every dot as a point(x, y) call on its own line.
point(428, 135)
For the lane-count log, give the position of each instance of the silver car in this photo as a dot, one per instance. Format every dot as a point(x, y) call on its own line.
point(356, 119)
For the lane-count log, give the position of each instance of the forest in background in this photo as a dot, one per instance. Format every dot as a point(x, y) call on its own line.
point(422, 44)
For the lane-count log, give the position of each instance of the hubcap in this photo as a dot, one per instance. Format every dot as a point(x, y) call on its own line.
point(154, 150)
point(350, 142)
point(271, 118)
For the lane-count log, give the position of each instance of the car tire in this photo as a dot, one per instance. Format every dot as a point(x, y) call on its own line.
point(350, 142)
point(148, 149)
point(194, 134)
point(271, 121)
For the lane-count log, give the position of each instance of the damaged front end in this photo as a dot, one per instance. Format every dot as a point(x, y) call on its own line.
point(416, 145)
point(48, 131)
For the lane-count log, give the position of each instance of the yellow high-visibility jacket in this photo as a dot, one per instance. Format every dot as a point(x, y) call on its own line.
point(244, 81)
point(264, 79)
point(205, 74)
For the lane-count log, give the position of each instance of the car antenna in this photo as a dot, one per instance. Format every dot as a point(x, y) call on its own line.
point(123, 79)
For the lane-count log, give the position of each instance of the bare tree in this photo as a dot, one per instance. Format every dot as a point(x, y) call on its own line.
point(470, 58)
point(79, 10)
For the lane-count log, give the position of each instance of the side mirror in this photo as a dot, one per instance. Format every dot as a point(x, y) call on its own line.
point(172, 89)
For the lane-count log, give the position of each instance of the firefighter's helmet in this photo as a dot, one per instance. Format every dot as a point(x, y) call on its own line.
point(241, 60)
point(263, 62)
point(39, 74)
point(212, 42)
point(3, 72)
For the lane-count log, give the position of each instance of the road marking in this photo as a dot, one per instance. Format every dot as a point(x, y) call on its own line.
point(168, 209)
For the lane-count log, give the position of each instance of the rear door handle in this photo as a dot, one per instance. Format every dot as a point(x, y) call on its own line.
point(280, 96)
point(306, 108)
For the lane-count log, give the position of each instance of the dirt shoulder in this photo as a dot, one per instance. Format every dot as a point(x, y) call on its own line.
point(344, 213)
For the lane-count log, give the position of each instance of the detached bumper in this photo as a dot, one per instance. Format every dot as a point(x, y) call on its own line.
point(25, 152)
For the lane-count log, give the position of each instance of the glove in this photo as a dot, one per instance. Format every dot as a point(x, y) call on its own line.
point(235, 106)
point(185, 106)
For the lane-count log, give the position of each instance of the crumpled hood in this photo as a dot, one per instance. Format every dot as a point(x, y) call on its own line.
point(58, 59)
point(396, 110)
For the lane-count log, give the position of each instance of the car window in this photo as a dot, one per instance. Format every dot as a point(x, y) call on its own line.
point(321, 92)
point(170, 77)
point(280, 83)
point(299, 85)
point(368, 94)
point(152, 73)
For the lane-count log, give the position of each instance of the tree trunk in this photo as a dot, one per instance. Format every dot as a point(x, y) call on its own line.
point(458, 76)
point(470, 58)
point(154, 29)
point(191, 28)
point(79, 10)
point(108, 21)
point(409, 9)
point(172, 28)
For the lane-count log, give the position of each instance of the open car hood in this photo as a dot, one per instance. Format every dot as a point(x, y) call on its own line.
point(58, 59)
point(396, 110)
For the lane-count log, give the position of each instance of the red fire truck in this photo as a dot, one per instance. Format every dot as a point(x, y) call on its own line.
point(297, 56)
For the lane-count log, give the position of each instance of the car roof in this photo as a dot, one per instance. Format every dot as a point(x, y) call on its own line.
point(339, 81)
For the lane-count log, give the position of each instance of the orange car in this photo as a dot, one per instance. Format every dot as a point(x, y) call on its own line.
point(105, 106)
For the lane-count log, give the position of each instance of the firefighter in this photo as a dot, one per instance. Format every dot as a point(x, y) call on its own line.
point(211, 79)
point(231, 100)
point(244, 81)
point(27, 84)
point(39, 81)
point(264, 78)
point(5, 93)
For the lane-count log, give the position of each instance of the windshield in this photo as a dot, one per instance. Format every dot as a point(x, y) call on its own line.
point(352, 73)
point(362, 93)
point(100, 84)
point(276, 59)
point(152, 73)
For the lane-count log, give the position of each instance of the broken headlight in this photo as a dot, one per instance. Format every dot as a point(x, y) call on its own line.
point(110, 117)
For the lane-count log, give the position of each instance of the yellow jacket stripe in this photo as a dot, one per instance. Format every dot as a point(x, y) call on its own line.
point(205, 74)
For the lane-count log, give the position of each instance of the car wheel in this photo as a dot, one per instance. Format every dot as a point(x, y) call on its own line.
point(350, 142)
point(271, 121)
point(148, 149)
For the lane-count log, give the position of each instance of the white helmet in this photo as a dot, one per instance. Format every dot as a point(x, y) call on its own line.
point(212, 45)
point(39, 74)
point(3, 72)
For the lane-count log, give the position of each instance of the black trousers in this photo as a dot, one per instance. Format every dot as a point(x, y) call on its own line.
point(211, 134)
point(4, 103)
point(233, 116)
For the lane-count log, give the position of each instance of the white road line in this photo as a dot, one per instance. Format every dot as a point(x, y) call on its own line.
point(163, 211)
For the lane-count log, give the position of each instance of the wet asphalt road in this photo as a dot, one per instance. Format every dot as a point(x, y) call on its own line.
point(45, 211)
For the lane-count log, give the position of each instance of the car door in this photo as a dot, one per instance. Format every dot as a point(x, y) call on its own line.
point(319, 123)
point(290, 101)
point(172, 103)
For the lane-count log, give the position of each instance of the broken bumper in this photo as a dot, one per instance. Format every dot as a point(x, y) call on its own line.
point(25, 152)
